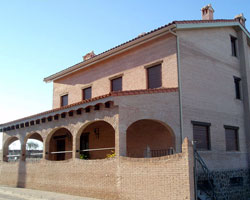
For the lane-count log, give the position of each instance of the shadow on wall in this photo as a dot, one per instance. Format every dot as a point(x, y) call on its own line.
point(21, 179)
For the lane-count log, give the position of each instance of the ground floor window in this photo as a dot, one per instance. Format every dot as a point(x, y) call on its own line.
point(201, 135)
point(232, 141)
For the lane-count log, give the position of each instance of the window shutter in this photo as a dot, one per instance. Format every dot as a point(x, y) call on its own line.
point(64, 100)
point(154, 77)
point(201, 136)
point(87, 93)
point(116, 84)
point(231, 139)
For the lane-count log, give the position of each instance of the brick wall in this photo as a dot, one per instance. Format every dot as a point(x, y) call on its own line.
point(168, 177)
point(208, 92)
point(129, 64)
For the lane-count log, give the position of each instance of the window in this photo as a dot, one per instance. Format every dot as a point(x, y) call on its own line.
point(201, 135)
point(232, 143)
point(64, 100)
point(116, 84)
point(237, 83)
point(154, 76)
point(86, 93)
point(234, 46)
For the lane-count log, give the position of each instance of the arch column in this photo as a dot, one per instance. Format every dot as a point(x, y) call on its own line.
point(121, 141)
point(46, 146)
point(74, 145)
point(23, 151)
point(1, 155)
point(23, 148)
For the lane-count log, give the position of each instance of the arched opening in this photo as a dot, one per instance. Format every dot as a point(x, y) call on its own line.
point(60, 145)
point(34, 147)
point(12, 150)
point(96, 141)
point(149, 138)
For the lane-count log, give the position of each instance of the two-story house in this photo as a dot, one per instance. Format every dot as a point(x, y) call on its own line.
point(119, 118)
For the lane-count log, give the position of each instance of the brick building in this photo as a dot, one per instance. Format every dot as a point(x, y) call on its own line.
point(139, 100)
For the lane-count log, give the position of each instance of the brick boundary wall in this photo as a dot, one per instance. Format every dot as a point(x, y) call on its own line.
point(168, 177)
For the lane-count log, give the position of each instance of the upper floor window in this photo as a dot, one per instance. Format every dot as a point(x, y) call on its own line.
point(232, 143)
point(201, 135)
point(86, 93)
point(64, 100)
point(154, 77)
point(116, 84)
point(237, 84)
point(234, 46)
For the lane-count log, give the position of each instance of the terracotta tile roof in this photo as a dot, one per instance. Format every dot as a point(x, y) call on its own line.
point(140, 36)
point(118, 93)
point(204, 21)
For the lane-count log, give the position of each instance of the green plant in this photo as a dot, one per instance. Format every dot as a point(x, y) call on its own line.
point(83, 156)
point(112, 155)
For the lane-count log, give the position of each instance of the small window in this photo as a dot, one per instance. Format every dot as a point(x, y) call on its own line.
point(232, 143)
point(237, 83)
point(64, 100)
point(154, 76)
point(234, 46)
point(116, 84)
point(86, 93)
point(201, 135)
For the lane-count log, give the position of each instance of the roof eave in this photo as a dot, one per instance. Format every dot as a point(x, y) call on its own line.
point(110, 53)
point(212, 25)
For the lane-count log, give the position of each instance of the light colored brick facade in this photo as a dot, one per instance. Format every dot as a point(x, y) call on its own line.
point(197, 75)
point(212, 100)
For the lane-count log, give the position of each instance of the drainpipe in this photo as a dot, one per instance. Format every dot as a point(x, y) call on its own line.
point(179, 86)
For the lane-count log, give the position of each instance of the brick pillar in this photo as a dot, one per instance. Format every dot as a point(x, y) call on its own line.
point(1, 155)
point(1, 147)
point(23, 147)
point(74, 145)
point(121, 141)
point(188, 150)
point(245, 77)
point(44, 148)
point(46, 141)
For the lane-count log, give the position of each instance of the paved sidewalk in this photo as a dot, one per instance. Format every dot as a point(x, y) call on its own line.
point(10, 193)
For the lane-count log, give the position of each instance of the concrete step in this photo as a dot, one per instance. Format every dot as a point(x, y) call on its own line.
point(11, 193)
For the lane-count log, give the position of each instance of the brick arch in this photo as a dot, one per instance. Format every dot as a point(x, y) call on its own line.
point(101, 134)
point(6, 145)
point(52, 144)
point(149, 137)
point(35, 136)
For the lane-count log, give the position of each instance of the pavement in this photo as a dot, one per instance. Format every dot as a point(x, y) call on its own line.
point(11, 193)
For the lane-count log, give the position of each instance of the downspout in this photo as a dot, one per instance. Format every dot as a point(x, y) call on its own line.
point(179, 87)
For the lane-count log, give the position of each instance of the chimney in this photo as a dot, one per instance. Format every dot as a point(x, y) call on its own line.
point(89, 55)
point(207, 12)
point(241, 18)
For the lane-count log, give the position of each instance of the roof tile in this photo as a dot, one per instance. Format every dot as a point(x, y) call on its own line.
point(117, 93)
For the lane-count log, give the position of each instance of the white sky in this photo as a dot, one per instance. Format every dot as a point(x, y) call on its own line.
point(16, 144)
